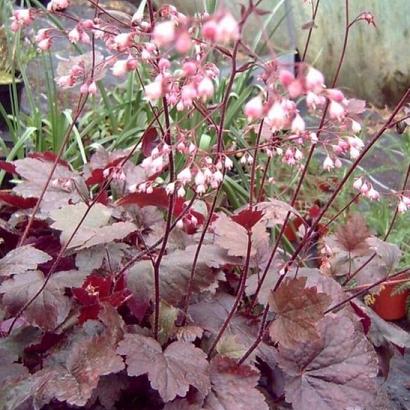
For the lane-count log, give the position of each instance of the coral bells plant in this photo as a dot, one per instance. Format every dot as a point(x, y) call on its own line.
point(150, 278)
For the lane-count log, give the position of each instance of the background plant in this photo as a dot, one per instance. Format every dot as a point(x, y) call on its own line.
point(177, 256)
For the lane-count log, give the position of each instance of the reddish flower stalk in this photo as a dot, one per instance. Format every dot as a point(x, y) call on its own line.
point(168, 222)
point(240, 293)
point(81, 104)
point(389, 229)
point(311, 230)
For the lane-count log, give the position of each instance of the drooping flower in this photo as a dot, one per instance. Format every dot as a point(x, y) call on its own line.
point(184, 176)
point(21, 18)
point(153, 91)
point(314, 80)
point(164, 33)
point(206, 88)
point(254, 108)
point(58, 5)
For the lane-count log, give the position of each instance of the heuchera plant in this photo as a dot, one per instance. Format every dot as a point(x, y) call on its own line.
point(135, 283)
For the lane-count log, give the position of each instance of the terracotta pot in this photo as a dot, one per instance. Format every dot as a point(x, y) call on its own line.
point(388, 306)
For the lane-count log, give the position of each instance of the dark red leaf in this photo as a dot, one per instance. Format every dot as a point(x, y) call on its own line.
point(97, 174)
point(84, 297)
point(247, 218)
point(314, 211)
point(337, 371)
point(50, 243)
point(17, 201)
point(47, 342)
point(103, 198)
point(157, 198)
point(8, 167)
point(233, 386)
point(97, 177)
point(298, 310)
point(292, 228)
point(171, 371)
point(149, 141)
point(89, 313)
point(95, 291)
point(48, 156)
point(138, 307)
point(364, 318)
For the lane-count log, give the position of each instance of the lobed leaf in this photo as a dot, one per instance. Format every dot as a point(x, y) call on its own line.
point(233, 237)
point(21, 260)
point(335, 372)
point(94, 229)
point(298, 310)
point(175, 271)
point(34, 172)
point(233, 387)
point(51, 307)
point(170, 372)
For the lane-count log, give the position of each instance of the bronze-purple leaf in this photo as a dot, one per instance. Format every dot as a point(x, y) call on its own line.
point(171, 371)
point(21, 260)
point(233, 387)
point(335, 372)
point(298, 309)
point(8, 368)
point(51, 307)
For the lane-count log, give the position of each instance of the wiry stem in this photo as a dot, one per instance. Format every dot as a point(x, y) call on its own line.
point(169, 220)
point(389, 229)
point(365, 290)
point(81, 103)
point(253, 171)
point(310, 30)
point(308, 160)
point(63, 249)
point(241, 290)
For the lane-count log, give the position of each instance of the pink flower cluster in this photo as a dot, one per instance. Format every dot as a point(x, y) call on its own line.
point(366, 189)
point(178, 52)
point(277, 108)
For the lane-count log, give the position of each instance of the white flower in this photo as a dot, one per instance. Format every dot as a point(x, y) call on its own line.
point(404, 204)
point(276, 116)
point(356, 127)
point(200, 189)
point(336, 111)
point(228, 163)
point(200, 178)
point(57, 5)
point(184, 176)
point(181, 192)
point(120, 68)
point(227, 29)
point(357, 184)
point(314, 80)
point(298, 124)
point(328, 163)
point(122, 41)
point(373, 194)
point(170, 188)
point(402, 207)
